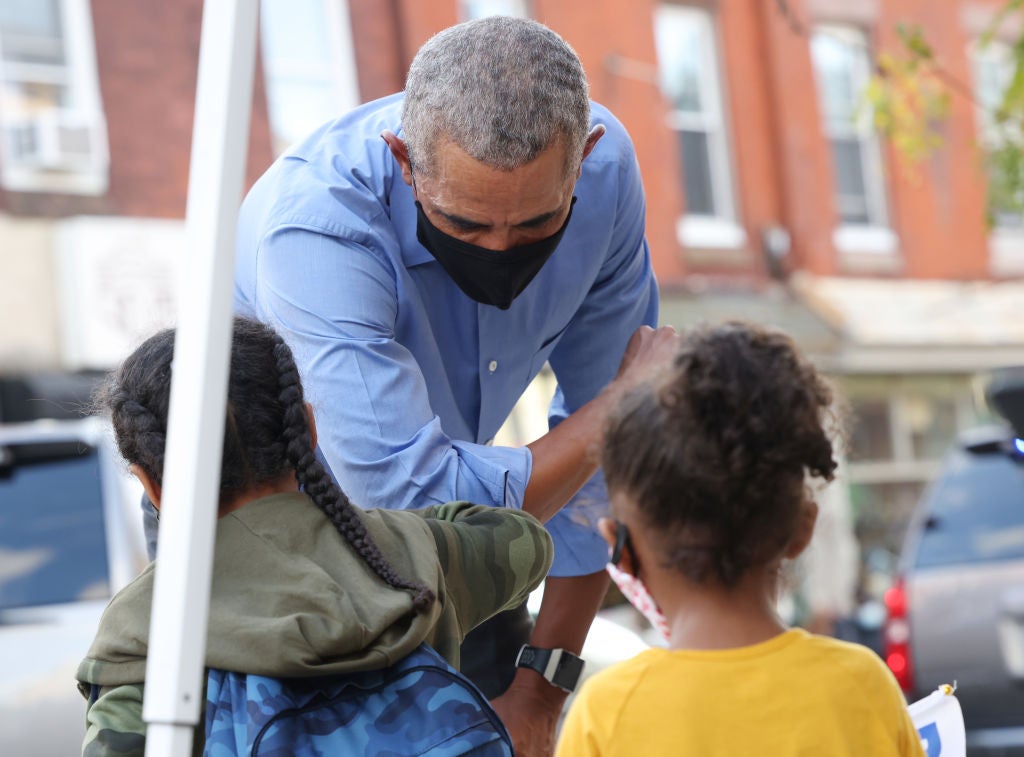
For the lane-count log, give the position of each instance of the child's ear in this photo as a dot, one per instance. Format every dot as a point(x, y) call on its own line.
point(804, 529)
point(606, 527)
point(610, 530)
point(151, 487)
point(311, 421)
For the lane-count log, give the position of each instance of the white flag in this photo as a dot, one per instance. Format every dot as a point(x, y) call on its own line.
point(940, 723)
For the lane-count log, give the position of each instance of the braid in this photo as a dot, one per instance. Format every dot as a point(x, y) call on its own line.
point(320, 486)
point(146, 436)
point(266, 432)
point(137, 396)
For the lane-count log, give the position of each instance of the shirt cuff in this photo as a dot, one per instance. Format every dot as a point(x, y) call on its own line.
point(499, 474)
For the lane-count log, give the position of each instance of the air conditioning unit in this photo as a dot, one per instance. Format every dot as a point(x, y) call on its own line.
point(55, 140)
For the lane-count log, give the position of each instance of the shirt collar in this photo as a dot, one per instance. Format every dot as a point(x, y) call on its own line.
point(403, 217)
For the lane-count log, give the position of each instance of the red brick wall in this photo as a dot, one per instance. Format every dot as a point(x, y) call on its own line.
point(380, 60)
point(803, 163)
point(147, 55)
point(147, 59)
point(756, 130)
point(939, 207)
point(936, 208)
point(621, 68)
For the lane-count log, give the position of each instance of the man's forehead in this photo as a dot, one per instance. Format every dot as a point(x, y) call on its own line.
point(459, 182)
point(448, 159)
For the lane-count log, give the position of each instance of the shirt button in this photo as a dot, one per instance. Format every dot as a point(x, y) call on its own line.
point(492, 366)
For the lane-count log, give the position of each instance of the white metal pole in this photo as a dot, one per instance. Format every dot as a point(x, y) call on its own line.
point(177, 638)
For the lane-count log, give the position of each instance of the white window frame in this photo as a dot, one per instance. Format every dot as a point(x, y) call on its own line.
point(473, 9)
point(1005, 243)
point(876, 236)
point(52, 170)
point(338, 75)
point(719, 230)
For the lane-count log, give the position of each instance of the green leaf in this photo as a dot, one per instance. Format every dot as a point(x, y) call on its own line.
point(1013, 99)
point(914, 40)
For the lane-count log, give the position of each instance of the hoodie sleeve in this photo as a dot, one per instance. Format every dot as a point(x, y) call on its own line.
point(113, 722)
point(492, 557)
point(114, 726)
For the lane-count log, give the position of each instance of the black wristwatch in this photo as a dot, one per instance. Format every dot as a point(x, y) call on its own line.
point(558, 667)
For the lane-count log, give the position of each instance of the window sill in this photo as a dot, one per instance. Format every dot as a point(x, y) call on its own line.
point(1006, 252)
point(867, 240)
point(710, 233)
point(29, 180)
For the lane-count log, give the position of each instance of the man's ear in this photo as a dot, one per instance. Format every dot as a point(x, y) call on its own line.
point(151, 487)
point(804, 529)
point(311, 421)
point(595, 134)
point(400, 153)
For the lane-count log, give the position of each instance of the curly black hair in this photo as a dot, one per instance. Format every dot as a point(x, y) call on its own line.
point(266, 430)
point(714, 454)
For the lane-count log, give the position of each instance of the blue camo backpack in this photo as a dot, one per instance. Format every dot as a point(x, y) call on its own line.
point(418, 706)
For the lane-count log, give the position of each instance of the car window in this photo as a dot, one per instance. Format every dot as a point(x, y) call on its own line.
point(974, 512)
point(52, 539)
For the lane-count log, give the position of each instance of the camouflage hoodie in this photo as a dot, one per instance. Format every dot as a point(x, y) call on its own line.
point(290, 598)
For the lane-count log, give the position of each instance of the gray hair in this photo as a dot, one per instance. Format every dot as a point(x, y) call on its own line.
point(502, 89)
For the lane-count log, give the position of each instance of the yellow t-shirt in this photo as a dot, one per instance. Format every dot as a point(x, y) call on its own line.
point(795, 694)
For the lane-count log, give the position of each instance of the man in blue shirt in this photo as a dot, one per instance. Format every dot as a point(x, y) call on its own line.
point(425, 255)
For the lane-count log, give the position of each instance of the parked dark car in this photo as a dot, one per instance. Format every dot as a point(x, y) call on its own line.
point(956, 612)
point(70, 536)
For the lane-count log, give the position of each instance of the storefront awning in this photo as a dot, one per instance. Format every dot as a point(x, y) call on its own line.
point(850, 325)
point(903, 326)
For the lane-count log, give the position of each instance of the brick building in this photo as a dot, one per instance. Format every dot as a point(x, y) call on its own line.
point(769, 195)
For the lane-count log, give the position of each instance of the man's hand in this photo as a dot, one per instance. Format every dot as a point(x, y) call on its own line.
point(566, 456)
point(530, 709)
point(648, 352)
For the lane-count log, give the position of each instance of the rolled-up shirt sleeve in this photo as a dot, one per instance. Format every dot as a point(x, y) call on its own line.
point(335, 301)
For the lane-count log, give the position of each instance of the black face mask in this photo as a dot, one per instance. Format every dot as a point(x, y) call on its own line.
point(491, 277)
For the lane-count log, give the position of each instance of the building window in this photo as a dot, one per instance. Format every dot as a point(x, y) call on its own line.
point(52, 131)
point(900, 429)
point(994, 65)
point(688, 73)
point(470, 9)
point(842, 69)
point(309, 65)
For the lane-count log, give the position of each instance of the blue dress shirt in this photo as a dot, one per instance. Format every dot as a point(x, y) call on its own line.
point(409, 377)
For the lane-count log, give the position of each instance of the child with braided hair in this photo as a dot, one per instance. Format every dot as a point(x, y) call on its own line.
point(708, 470)
point(305, 584)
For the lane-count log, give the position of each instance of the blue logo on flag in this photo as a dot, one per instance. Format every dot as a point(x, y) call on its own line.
point(931, 742)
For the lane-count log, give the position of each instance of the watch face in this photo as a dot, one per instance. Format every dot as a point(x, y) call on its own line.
point(570, 668)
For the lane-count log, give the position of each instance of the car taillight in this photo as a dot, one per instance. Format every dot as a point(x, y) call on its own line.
point(897, 636)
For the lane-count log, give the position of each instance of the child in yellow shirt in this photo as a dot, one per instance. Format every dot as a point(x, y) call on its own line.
point(707, 469)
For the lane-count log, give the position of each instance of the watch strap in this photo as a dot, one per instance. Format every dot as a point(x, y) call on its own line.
point(559, 667)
